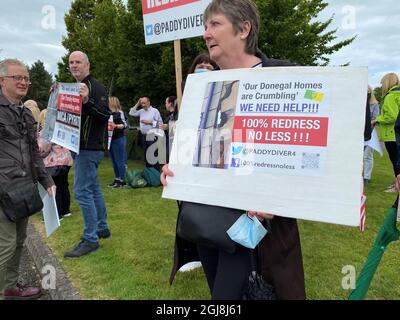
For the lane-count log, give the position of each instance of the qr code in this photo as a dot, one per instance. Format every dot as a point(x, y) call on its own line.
point(310, 161)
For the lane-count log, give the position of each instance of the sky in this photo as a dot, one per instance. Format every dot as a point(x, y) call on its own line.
point(32, 30)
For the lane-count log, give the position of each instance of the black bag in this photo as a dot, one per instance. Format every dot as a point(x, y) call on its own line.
point(207, 225)
point(256, 287)
point(20, 199)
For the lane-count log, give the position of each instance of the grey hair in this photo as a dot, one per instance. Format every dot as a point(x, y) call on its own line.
point(238, 12)
point(8, 62)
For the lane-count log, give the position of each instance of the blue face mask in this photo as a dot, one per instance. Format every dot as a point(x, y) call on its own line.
point(247, 231)
point(201, 70)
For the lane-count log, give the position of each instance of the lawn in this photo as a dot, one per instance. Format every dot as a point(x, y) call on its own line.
point(136, 262)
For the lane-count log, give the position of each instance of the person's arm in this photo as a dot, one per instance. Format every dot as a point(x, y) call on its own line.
point(158, 120)
point(375, 111)
point(44, 147)
point(95, 100)
point(133, 111)
point(123, 119)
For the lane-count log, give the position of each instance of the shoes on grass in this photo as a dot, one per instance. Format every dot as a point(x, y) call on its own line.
point(104, 234)
point(83, 248)
point(190, 266)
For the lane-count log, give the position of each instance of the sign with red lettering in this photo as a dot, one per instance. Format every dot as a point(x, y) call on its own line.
point(168, 20)
point(305, 131)
point(150, 6)
point(283, 140)
point(66, 118)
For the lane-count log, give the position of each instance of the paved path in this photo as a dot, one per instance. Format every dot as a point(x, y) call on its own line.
point(29, 275)
point(42, 256)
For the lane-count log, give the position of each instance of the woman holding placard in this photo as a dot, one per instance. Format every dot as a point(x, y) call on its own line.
point(231, 36)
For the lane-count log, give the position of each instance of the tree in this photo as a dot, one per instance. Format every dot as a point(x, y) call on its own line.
point(41, 82)
point(77, 22)
point(378, 93)
point(290, 31)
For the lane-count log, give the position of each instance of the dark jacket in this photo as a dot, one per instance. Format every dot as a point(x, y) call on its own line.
point(95, 115)
point(367, 126)
point(279, 252)
point(117, 119)
point(394, 96)
point(16, 147)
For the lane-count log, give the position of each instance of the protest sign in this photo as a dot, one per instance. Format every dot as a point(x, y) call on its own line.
point(110, 130)
point(63, 119)
point(50, 213)
point(285, 140)
point(167, 20)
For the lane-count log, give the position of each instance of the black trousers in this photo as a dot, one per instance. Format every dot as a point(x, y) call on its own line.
point(392, 151)
point(63, 198)
point(226, 273)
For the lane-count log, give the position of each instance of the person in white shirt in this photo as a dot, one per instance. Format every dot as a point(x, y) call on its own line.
point(150, 119)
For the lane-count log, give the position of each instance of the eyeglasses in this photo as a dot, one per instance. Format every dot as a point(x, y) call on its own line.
point(19, 78)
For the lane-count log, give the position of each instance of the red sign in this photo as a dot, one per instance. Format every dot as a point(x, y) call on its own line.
point(302, 131)
point(150, 6)
point(69, 103)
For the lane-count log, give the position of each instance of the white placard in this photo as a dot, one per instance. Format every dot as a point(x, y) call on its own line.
point(63, 118)
point(374, 142)
point(284, 140)
point(168, 20)
point(50, 212)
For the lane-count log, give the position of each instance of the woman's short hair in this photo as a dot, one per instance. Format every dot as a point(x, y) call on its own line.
point(238, 12)
point(202, 58)
point(388, 81)
point(172, 99)
point(114, 104)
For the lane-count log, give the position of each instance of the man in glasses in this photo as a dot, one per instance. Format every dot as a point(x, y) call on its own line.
point(18, 154)
point(93, 142)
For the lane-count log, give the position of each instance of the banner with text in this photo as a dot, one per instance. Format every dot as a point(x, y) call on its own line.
point(284, 145)
point(63, 118)
point(168, 20)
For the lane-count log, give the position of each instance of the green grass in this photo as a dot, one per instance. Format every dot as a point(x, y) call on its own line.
point(136, 262)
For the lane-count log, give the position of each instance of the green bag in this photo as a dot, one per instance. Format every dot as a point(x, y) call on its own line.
point(152, 176)
point(134, 178)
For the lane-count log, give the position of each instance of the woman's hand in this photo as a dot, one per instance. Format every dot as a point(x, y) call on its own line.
point(51, 190)
point(165, 172)
point(260, 215)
